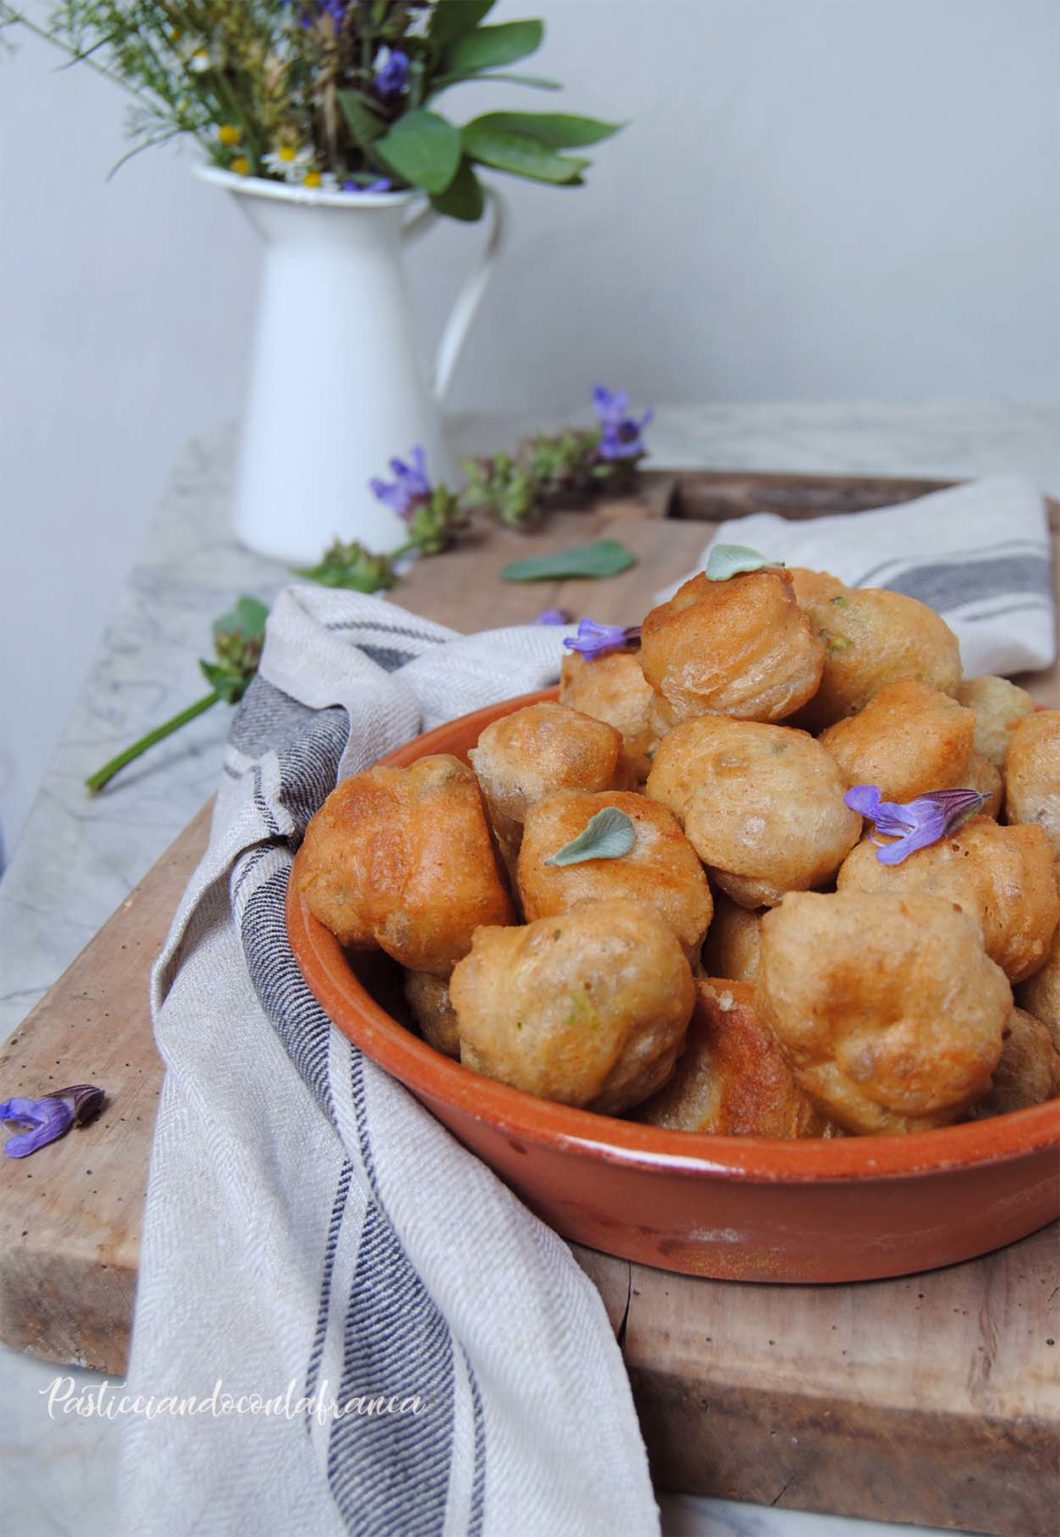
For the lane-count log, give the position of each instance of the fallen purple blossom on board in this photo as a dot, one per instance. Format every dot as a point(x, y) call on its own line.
point(914, 824)
point(554, 616)
point(44, 1120)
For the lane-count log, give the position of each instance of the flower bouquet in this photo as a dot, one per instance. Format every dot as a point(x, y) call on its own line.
point(338, 95)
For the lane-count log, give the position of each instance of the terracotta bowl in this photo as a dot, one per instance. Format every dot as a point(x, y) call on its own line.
point(737, 1208)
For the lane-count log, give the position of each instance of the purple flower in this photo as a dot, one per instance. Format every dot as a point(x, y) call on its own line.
point(554, 616)
point(594, 640)
point(620, 433)
point(47, 1120)
point(917, 823)
point(410, 487)
point(381, 184)
point(392, 74)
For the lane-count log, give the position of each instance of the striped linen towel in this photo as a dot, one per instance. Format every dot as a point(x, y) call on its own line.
point(313, 1237)
point(978, 553)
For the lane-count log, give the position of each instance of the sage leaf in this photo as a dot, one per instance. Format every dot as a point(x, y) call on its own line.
point(491, 47)
point(727, 560)
point(520, 154)
point(605, 557)
point(555, 130)
point(362, 119)
point(539, 82)
point(607, 835)
point(452, 19)
point(463, 198)
point(422, 148)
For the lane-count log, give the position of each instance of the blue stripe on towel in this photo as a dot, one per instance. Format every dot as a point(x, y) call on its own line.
point(338, 1208)
point(389, 1473)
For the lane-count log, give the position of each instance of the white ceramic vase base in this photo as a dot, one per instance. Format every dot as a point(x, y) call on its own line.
point(337, 385)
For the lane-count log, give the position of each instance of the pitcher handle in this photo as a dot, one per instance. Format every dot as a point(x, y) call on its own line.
point(467, 301)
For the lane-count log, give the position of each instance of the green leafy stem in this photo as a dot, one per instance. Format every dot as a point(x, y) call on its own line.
point(514, 489)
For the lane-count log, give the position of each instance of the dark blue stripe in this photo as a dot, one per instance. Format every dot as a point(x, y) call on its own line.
point(389, 1473)
point(338, 1209)
point(478, 1486)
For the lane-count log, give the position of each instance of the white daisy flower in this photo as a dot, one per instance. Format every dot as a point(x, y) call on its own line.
point(290, 163)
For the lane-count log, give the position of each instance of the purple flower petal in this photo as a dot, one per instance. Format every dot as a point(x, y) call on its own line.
point(392, 73)
point(554, 616)
point(594, 640)
point(620, 433)
point(46, 1121)
point(411, 486)
point(914, 824)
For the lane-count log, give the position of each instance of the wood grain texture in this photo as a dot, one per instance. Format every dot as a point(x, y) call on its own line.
point(932, 1399)
point(70, 1220)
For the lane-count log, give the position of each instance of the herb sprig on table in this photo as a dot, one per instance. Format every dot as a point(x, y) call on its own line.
point(515, 490)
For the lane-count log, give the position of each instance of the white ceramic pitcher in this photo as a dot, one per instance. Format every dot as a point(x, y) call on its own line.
point(337, 386)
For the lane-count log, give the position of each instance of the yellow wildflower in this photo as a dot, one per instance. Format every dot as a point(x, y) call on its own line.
point(241, 165)
point(229, 134)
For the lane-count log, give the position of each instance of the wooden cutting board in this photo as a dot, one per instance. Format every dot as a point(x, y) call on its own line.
point(934, 1399)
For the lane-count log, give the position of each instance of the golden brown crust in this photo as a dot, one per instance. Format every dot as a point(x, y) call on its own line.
point(886, 1006)
point(742, 647)
point(980, 774)
point(1040, 995)
point(524, 756)
point(761, 805)
point(1032, 773)
point(1029, 1070)
point(614, 689)
point(1002, 877)
point(661, 869)
point(998, 706)
point(428, 998)
point(401, 859)
point(907, 740)
point(872, 637)
point(590, 1007)
point(732, 1078)
point(731, 946)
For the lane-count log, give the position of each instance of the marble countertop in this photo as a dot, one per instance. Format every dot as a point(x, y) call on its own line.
point(78, 858)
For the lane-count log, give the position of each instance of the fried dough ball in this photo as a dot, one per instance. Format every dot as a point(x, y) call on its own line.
point(590, 1007)
point(428, 998)
point(400, 859)
point(733, 1079)
point(761, 805)
point(998, 705)
point(613, 688)
point(523, 757)
point(662, 869)
point(980, 774)
point(731, 946)
point(886, 1006)
point(815, 587)
point(907, 740)
point(1040, 995)
point(1032, 773)
point(871, 637)
point(741, 647)
point(1029, 1070)
point(1002, 877)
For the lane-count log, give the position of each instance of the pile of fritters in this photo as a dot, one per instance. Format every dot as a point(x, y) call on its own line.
point(744, 963)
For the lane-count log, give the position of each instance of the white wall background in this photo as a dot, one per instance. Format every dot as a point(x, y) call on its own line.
point(815, 198)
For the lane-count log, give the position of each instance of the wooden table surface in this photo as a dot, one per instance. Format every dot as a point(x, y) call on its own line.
point(934, 1399)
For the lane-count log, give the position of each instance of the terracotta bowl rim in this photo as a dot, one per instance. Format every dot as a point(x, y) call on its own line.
point(523, 1118)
